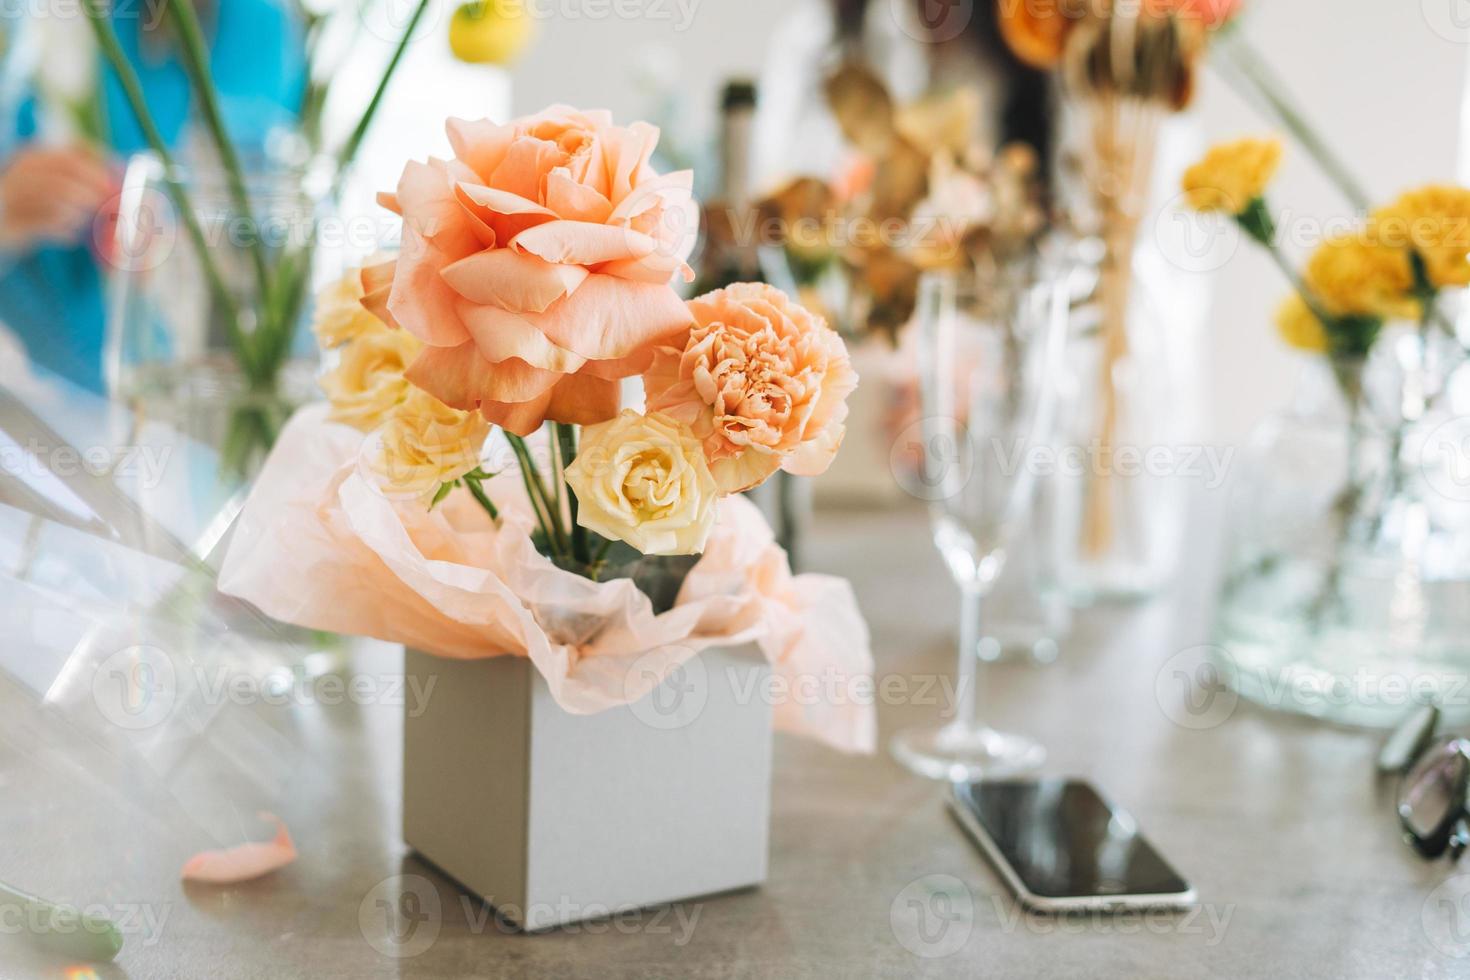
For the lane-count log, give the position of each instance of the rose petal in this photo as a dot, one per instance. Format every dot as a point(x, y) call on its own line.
point(501, 335)
point(243, 862)
point(512, 280)
point(461, 378)
point(480, 143)
point(527, 160)
point(420, 300)
point(605, 318)
point(584, 243)
point(575, 201)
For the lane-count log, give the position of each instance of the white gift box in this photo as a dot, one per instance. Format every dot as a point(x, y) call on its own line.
point(553, 817)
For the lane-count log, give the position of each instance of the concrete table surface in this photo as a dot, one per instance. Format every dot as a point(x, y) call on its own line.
point(1276, 821)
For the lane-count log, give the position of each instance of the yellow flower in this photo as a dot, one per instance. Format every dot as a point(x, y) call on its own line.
point(425, 444)
point(368, 385)
point(490, 32)
point(1435, 222)
point(1356, 275)
point(1232, 175)
point(1300, 327)
point(339, 314)
point(643, 479)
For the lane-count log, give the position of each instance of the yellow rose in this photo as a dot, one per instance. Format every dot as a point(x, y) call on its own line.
point(1435, 222)
point(1232, 175)
point(1356, 275)
point(1300, 327)
point(426, 444)
point(368, 384)
point(643, 479)
point(339, 315)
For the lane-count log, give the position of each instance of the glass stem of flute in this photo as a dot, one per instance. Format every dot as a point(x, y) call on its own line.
point(964, 689)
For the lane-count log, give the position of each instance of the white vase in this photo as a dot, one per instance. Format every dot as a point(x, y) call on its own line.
point(553, 817)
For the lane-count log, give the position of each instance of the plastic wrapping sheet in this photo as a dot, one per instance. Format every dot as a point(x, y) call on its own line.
point(143, 716)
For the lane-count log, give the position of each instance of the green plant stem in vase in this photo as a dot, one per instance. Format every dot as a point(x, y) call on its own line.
point(273, 307)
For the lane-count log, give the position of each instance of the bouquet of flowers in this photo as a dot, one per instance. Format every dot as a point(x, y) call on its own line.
point(475, 485)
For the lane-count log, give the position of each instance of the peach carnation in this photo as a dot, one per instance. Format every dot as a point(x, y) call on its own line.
point(761, 381)
point(535, 265)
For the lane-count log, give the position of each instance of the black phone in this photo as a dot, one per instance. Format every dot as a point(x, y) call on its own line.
point(1061, 847)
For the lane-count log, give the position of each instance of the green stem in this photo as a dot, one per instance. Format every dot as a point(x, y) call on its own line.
point(349, 149)
point(196, 66)
point(478, 492)
point(566, 438)
point(133, 92)
point(556, 538)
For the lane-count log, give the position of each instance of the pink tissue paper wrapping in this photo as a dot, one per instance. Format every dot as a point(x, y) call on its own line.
point(319, 546)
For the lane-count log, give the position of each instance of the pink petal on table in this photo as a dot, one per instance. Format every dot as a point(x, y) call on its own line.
point(243, 862)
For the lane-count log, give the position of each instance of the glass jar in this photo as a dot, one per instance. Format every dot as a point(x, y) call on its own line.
point(1119, 517)
point(178, 318)
point(1347, 590)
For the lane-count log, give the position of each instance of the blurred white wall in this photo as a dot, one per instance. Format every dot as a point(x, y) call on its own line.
point(1383, 79)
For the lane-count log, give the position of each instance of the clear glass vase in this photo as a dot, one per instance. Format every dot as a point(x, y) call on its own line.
point(1347, 590)
point(1119, 515)
point(177, 316)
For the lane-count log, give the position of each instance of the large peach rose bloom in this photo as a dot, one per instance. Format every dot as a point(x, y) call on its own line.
point(535, 265)
point(762, 382)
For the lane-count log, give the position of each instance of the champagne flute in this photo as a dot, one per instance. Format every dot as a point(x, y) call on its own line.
point(989, 344)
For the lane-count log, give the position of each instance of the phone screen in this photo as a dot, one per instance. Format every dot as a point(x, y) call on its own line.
point(1063, 840)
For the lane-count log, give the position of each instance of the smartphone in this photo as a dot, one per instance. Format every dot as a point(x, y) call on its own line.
point(1062, 848)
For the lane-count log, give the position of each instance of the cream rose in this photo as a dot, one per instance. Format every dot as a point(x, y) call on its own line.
point(426, 444)
point(340, 316)
point(643, 479)
point(368, 384)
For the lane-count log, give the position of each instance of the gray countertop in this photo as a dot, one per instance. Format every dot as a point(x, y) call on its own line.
point(1277, 822)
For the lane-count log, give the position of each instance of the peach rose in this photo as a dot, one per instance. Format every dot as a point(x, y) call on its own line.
point(535, 265)
point(761, 381)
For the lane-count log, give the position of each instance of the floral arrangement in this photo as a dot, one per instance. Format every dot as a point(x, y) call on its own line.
point(423, 505)
point(919, 167)
point(1393, 265)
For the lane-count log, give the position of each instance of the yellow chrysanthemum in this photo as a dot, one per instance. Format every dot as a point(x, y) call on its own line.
point(1435, 222)
point(1232, 175)
point(1299, 326)
point(1355, 275)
